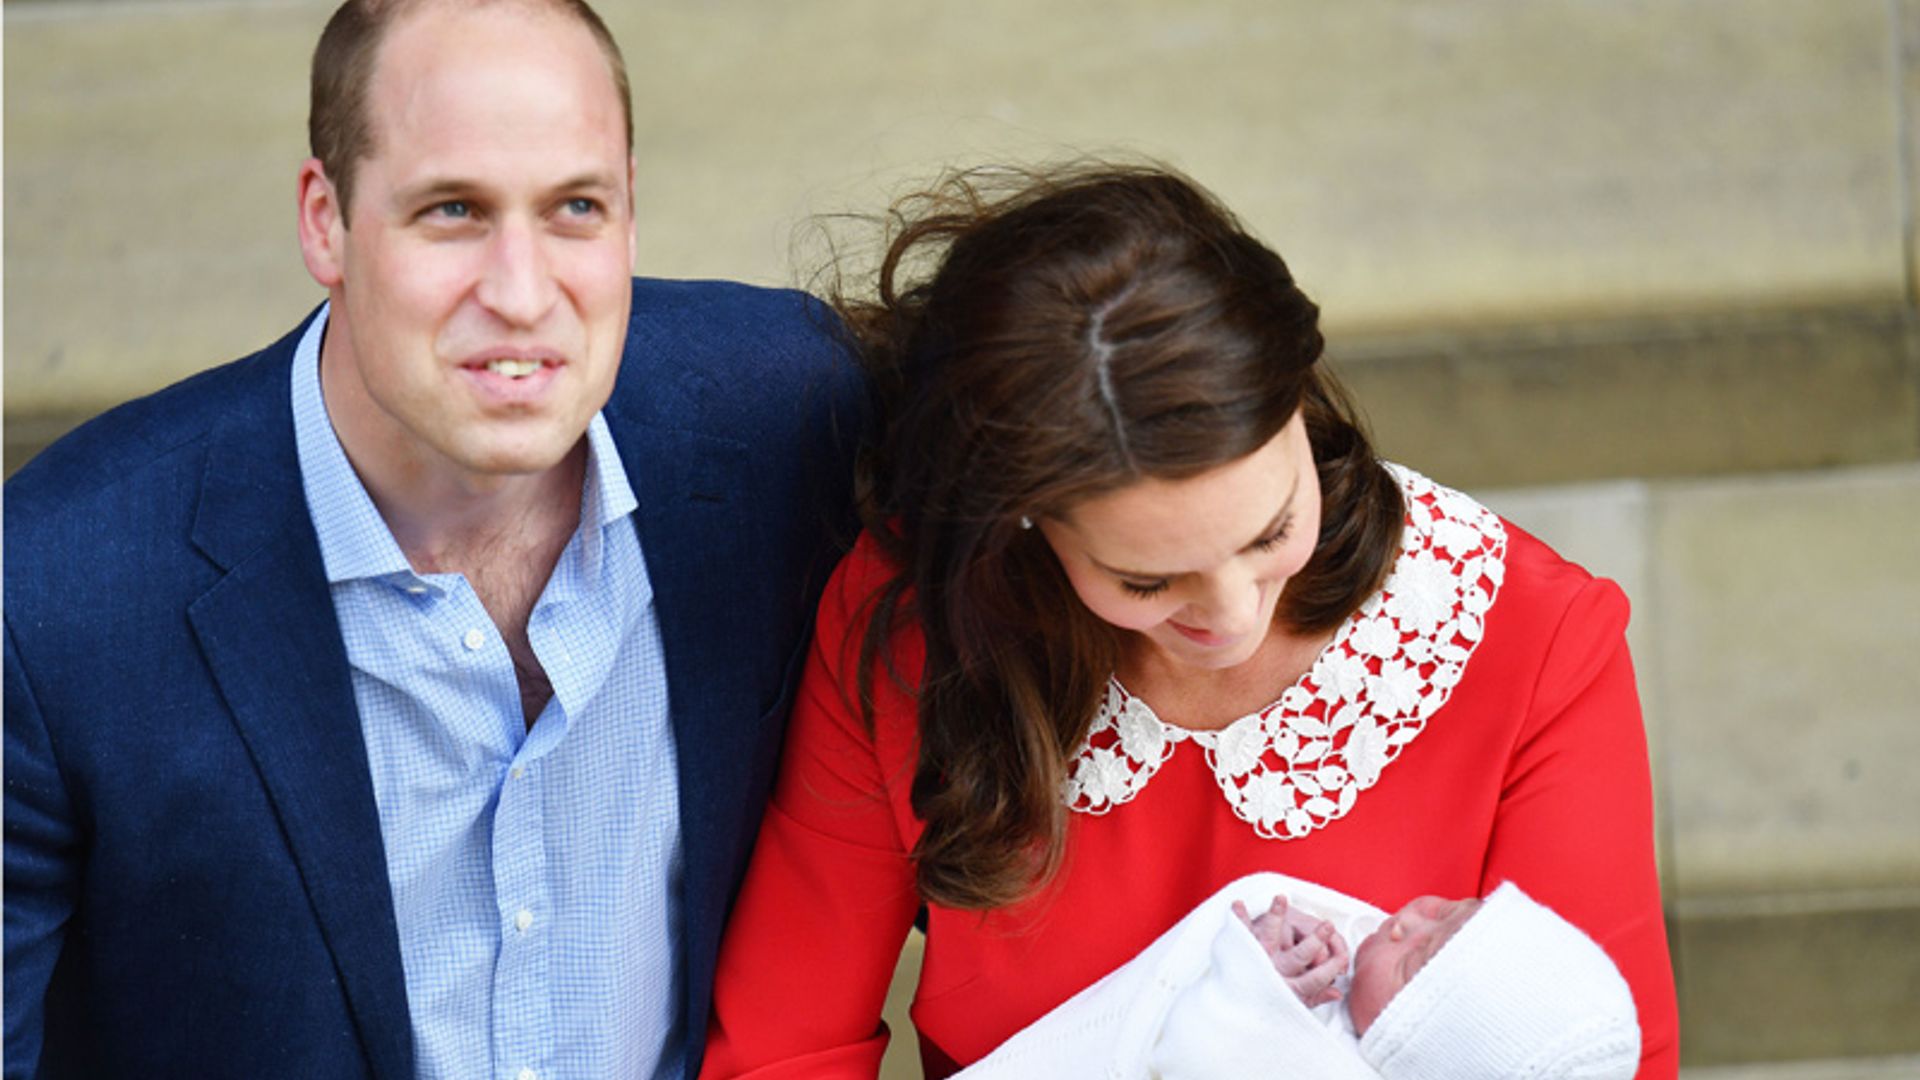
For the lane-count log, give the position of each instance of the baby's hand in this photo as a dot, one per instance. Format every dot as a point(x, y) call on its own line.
point(1307, 952)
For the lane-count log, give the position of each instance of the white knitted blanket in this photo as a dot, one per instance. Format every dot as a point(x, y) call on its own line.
point(1202, 1001)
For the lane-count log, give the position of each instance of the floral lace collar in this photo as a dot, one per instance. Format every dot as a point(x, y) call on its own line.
point(1300, 763)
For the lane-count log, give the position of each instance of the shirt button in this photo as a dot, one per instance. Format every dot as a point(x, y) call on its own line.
point(522, 919)
point(519, 771)
point(528, 1074)
point(474, 639)
point(416, 590)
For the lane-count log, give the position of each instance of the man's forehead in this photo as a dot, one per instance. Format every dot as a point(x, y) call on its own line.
point(441, 61)
point(431, 33)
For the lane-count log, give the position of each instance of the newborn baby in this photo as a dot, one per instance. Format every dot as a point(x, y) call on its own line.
point(1310, 954)
point(1443, 988)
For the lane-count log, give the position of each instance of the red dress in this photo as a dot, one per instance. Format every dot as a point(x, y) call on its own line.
point(1475, 722)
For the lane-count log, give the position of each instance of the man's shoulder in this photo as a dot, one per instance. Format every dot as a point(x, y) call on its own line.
point(137, 464)
point(706, 323)
point(733, 359)
point(712, 305)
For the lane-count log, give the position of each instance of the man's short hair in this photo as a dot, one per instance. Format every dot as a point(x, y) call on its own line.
point(339, 131)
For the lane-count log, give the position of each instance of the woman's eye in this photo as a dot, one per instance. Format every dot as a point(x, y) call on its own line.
point(1146, 588)
point(1273, 538)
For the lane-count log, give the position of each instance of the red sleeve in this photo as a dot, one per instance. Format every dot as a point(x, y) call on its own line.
point(1575, 822)
point(829, 895)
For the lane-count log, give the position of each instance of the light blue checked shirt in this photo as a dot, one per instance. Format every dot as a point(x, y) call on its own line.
point(535, 872)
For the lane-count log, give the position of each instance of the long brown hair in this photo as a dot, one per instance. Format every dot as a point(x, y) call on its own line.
point(1037, 339)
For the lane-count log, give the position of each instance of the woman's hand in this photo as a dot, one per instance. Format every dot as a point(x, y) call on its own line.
point(1308, 953)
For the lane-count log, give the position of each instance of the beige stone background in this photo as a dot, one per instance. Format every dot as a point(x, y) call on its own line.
point(1639, 273)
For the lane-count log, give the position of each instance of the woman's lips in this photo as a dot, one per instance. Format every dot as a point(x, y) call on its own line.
point(1203, 637)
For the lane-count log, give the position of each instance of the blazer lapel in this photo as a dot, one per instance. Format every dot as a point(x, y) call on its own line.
point(268, 632)
point(691, 536)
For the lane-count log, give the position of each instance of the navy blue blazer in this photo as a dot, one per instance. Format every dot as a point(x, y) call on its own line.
point(195, 880)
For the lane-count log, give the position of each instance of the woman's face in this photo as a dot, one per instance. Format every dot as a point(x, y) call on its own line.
point(1196, 566)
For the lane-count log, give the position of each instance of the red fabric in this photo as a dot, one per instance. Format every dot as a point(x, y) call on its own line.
point(1535, 771)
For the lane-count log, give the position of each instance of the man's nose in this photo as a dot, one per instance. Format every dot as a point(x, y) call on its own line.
point(518, 283)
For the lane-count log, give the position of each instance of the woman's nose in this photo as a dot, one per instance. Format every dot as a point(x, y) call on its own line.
point(1232, 601)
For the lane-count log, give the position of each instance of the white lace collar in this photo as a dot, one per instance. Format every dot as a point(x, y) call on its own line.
point(1300, 763)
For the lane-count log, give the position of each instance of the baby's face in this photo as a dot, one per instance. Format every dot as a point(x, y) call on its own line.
point(1390, 956)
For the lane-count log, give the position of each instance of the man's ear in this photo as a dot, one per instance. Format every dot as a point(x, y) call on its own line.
point(323, 226)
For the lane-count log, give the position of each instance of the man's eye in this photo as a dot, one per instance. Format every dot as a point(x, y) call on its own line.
point(581, 207)
point(453, 208)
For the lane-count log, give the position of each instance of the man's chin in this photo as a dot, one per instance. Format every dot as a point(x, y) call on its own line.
point(509, 459)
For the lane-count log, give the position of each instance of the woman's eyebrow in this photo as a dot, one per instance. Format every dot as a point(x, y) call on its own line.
point(1279, 518)
point(1271, 527)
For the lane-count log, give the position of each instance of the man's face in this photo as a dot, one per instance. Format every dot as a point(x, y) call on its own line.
point(482, 281)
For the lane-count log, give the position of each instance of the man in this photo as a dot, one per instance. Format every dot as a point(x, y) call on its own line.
point(401, 700)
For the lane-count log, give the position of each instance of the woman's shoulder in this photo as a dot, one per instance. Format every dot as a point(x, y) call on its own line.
point(858, 593)
point(857, 584)
point(1550, 582)
point(1523, 578)
point(1508, 618)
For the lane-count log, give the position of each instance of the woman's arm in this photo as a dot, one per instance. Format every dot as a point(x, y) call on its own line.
point(1574, 825)
point(829, 895)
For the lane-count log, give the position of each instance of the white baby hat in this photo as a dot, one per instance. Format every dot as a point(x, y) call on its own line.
point(1518, 993)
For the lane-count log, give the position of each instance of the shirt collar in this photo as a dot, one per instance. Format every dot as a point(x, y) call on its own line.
point(355, 541)
point(607, 498)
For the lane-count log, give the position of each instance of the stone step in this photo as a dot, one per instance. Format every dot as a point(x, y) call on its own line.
point(1831, 976)
point(1500, 406)
point(1885, 1068)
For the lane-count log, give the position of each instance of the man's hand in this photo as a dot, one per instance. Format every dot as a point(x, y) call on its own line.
point(1307, 952)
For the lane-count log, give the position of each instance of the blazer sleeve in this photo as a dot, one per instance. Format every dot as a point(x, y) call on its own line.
point(1574, 824)
point(42, 867)
point(829, 894)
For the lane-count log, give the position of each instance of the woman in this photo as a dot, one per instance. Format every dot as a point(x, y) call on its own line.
point(1138, 612)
